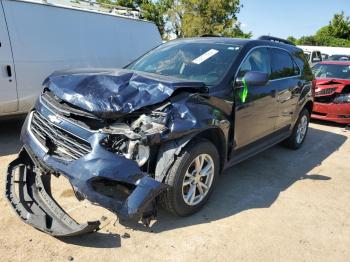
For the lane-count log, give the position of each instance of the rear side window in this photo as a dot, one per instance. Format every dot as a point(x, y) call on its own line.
point(282, 64)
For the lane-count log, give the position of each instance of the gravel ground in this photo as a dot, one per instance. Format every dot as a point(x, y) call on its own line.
point(280, 205)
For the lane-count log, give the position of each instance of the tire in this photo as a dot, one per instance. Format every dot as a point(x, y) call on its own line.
point(174, 198)
point(294, 141)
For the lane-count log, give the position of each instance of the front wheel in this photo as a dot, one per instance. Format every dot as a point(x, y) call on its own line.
point(191, 178)
point(298, 135)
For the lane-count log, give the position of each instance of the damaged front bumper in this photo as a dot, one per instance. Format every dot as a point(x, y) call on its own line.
point(100, 176)
point(338, 113)
point(34, 203)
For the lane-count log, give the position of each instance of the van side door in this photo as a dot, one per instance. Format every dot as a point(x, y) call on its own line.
point(8, 88)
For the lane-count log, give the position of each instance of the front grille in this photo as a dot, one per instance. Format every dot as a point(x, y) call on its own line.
point(326, 91)
point(58, 141)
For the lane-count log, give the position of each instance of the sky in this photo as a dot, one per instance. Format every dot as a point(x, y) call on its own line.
point(282, 18)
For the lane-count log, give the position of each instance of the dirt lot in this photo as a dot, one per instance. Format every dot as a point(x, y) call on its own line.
point(281, 205)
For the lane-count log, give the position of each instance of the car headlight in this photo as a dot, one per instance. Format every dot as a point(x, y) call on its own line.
point(343, 98)
point(131, 149)
point(132, 139)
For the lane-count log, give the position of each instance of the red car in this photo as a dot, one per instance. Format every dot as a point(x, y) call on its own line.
point(332, 93)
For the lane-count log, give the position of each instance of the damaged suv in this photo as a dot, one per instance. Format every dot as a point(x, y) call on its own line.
point(160, 130)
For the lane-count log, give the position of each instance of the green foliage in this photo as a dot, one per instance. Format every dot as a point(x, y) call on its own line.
point(213, 17)
point(339, 27)
point(337, 33)
point(154, 11)
point(292, 39)
point(187, 18)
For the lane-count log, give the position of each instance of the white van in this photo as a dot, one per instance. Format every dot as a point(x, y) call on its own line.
point(38, 38)
point(313, 56)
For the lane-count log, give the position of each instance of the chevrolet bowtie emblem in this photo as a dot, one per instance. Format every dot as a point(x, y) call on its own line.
point(54, 119)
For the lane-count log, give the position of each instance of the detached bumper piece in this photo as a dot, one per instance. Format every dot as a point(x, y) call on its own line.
point(29, 194)
point(28, 189)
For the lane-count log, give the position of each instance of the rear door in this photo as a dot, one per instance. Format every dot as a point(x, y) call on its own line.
point(8, 92)
point(285, 79)
point(256, 116)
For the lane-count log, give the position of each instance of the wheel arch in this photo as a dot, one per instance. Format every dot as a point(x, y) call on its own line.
point(308, 105)
point(217, 138)
point(168, 152)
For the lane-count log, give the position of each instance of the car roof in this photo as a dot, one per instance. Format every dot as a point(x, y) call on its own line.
point(239, 41)
point(226, 40)
point(335, 62)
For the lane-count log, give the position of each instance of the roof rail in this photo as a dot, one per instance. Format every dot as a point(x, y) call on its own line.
point(210, 35)
point(275, 39)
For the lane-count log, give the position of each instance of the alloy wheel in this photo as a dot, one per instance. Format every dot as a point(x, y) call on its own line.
point(198, 179)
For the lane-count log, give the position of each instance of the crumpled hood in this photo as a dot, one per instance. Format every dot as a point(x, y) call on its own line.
point(329, 86)
point(109, 93)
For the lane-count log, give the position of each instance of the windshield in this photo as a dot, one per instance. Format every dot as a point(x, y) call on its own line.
point(339, 58)
point(331, 71)
point(200, 61)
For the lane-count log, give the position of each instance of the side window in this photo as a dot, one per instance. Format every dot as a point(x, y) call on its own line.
point(319, 56)
point(257, 60)
point(316, 56)
point(282, 64)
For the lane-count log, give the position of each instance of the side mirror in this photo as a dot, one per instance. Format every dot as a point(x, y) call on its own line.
point(253, 78)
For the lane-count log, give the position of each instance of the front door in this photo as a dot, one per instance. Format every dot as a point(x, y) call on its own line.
point(8, 92)
point(256, 113)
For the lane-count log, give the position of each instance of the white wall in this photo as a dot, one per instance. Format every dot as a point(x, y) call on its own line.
point(327, 49)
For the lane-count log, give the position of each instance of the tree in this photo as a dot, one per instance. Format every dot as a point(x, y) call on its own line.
point(292, 39)
point(186, 18)
point(307, 40)
point(154, 11)
point(339, 27)
point(212, 17)
point(337, 33)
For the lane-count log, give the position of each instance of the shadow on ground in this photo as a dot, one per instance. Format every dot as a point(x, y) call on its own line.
point(10, 131)
point(97, 240)
point(254, 183)
point(258, 181)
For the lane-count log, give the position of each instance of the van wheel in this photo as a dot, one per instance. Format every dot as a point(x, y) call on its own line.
point(301, 127)
point(191, 178)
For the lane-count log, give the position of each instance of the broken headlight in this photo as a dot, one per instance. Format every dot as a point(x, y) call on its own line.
point(130, 149)
point(138, 152)
point(343, 98)
point(132, 140)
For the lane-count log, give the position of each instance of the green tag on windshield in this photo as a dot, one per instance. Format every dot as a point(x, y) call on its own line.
point(243, 95)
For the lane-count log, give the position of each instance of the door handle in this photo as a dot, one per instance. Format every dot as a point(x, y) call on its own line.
point(9, 71)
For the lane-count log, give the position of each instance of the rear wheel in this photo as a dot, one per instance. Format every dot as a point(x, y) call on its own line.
point(301, 127)
point(192, 178)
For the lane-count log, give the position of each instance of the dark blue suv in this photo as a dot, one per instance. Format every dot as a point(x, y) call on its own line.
point(160, 130)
